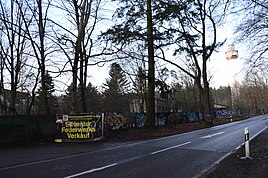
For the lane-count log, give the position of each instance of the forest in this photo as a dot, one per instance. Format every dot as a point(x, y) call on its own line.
point(48, 47)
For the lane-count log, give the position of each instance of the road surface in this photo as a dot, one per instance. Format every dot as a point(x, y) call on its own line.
point(184, 155)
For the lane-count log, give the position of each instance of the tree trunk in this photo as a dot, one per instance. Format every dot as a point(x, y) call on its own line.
point(207, 104)
point(12, 109)
point(74, 92)
point(42, 58)
point(83, 86)
point(206, 94)
point(151, 88)
point(3, 102)
point(78, 48)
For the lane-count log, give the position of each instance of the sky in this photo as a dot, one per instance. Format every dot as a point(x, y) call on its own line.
point(224, 72)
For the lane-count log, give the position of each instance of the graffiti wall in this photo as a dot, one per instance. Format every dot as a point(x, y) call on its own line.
point(117, 121)
point(224, 112)
point(162, 119)
point(91, 126)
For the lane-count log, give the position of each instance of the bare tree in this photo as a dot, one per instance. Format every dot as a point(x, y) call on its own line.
point(253, 92)
point(35, 21)
point(252, 30)
point(12, 47)
point(3, 103)
point(78, 43)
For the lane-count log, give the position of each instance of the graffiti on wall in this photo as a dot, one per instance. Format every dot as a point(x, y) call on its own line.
point(117, 121)
point(225, 112)
point(89, 126)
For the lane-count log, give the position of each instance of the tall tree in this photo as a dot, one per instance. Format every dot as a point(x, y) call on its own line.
point(187, 24)
point(140, 88)
point(3, 103)
point(76, 41)
point(41, 22)
point(52, 99)
point(94, 99)
point(35, 21)
point(151, 70)
point(136, 26)
point(12, 46)
point(117, 88)
point(133, 61)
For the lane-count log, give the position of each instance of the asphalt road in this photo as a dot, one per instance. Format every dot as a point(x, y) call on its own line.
point(183, 155)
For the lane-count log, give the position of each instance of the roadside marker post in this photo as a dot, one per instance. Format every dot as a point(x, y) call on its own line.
point(102, 126)
point(246, 142)
point(247, 153)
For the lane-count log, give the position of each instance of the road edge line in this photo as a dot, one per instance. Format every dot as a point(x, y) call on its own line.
point(214, 165)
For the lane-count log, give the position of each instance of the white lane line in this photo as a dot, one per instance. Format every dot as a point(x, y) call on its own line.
point(69, 156)
point(209, 136)
point(91, 170)
point(176, 146)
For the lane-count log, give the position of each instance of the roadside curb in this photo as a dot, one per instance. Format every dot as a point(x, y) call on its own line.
point(214, 165)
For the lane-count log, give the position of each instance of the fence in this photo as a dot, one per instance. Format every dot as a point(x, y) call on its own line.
point(117, 121)
point(20, 129)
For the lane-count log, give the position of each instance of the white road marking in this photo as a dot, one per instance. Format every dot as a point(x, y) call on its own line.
point(91, 170)
point(70, 156)
point(223, 157)
point(97, 151)
point(176, 146)
point(209, 136)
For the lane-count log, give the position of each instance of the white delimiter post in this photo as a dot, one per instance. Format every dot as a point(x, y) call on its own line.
point(102, 126)
point(246, 142)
